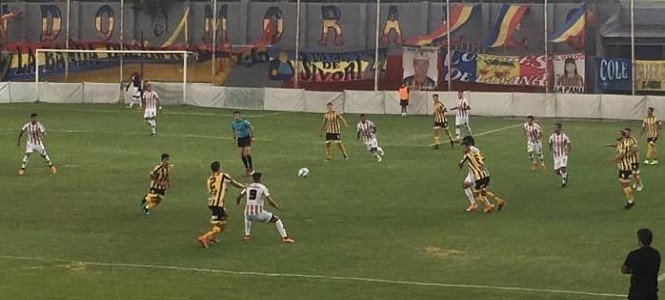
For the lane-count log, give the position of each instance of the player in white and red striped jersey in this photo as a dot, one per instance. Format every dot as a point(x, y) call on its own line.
point(462, 116)
point(35, 131)
point(256, 193)
point(150, 104)
point(560, 147)
point(367, 130)
point(534, 147)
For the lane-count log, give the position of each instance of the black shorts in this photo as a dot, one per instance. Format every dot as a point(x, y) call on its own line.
point(654, 139)
point(482, 183)
point(403, 102)
point(635, 167)
point(218, 214)
point(332, 137)
point(160, 192)
point(441, 124)
point(625, 175)
point(244, 142)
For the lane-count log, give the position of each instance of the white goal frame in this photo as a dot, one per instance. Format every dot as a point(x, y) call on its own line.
point(184, 53)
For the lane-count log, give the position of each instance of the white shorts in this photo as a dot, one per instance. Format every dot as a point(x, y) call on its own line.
point(459, 120)
point(150, 113)
point(560, 162)
point(39, 148)
point(264, 216)
point(534, 147)
point(373, 143)
point(135, 91)
point(470, 179)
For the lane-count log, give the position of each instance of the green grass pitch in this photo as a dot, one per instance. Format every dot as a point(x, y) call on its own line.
point(363, 230)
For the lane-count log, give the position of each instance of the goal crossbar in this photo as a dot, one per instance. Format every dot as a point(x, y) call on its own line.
point(184, 54)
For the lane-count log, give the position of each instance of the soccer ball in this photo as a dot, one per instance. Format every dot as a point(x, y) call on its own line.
point(303, 172)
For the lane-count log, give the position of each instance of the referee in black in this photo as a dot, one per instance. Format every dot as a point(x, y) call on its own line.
point(643, 265)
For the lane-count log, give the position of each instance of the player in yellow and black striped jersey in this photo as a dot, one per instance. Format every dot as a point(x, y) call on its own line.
point(440, 121)
point(633, 157)
point(651, 127)
point(331, 125)
point(160, 181)
point(217, 184)
point(623, 165)
point(475, 161)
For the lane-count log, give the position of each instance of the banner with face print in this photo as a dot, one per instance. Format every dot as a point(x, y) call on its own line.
point(568, 73)
point(420, 65)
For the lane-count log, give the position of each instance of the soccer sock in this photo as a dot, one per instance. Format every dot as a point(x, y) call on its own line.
point(280, 228)
point(628, 192)
point(457, 132)
point(483, 200)
point(636, 179)
point(649, 151)
point(48, 160)
point(447, 131)
point(532, 157)
point(373, 151)
point(244, 161)
point(249, 161)
point(24, 162)
point(153, 126)
point(468, 129)
point(492, 196)
point(328, 150)
point(436, 140)
point(541, 158)
point(341, 147)
point(152, 202)
point(248, 227)
point(213, 232)
point(469, 195)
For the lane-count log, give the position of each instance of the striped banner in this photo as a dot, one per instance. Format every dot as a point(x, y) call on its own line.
point(459, 15)
point(509, 17)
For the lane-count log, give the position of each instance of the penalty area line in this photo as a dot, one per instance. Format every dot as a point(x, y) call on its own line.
point(498, 129)
point(313, 276)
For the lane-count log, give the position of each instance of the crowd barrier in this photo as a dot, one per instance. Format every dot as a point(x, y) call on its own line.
point(370, 102)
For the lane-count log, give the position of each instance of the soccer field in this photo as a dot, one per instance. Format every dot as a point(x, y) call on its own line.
point(362, 229)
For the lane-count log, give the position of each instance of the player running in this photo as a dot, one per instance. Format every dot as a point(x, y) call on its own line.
point(243, 134)
point(651, 127)
point(623, 165)
point(256, 193)
point(367, 130)
point(633, 157)
point(440, 121)
point(331, 125)
point(34, 143)
point(462, 116)
point(135, 82)
point(560, 147)
point(150, 104)
point(160, 181)
point(476, 182)
point(217, 185)
point(534, 146)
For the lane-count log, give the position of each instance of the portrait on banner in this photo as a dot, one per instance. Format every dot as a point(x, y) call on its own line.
point(420, 67)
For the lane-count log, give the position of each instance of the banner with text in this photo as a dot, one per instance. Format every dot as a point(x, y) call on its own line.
point(614, 74)
point(463, 67)
point(511, 70)
point(568, 73)
point(325, 67)
point(650, 75)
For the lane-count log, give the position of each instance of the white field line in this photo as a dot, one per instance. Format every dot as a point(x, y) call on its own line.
point(314, 276)
point(498, 129)
point(167, 112)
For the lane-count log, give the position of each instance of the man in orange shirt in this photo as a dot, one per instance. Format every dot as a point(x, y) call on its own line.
point(403, 98)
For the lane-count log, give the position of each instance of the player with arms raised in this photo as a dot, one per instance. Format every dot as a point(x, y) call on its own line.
point(256, 194)
point(160, 181)
point(440, 121)
point(462, 117)
point(217, 185)
point(651, 127)
point(534, 147)
point(331, 126)
point(135, 82)
point(560, 147)
point(34, 143)
point(367, 130)
point(150, 104)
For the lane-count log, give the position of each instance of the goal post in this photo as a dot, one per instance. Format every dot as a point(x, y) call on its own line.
point(50, 58)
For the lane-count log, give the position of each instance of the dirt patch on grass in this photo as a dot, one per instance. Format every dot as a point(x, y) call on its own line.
point(75, 267)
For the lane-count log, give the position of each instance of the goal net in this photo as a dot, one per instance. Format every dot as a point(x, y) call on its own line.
point(105, 76)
